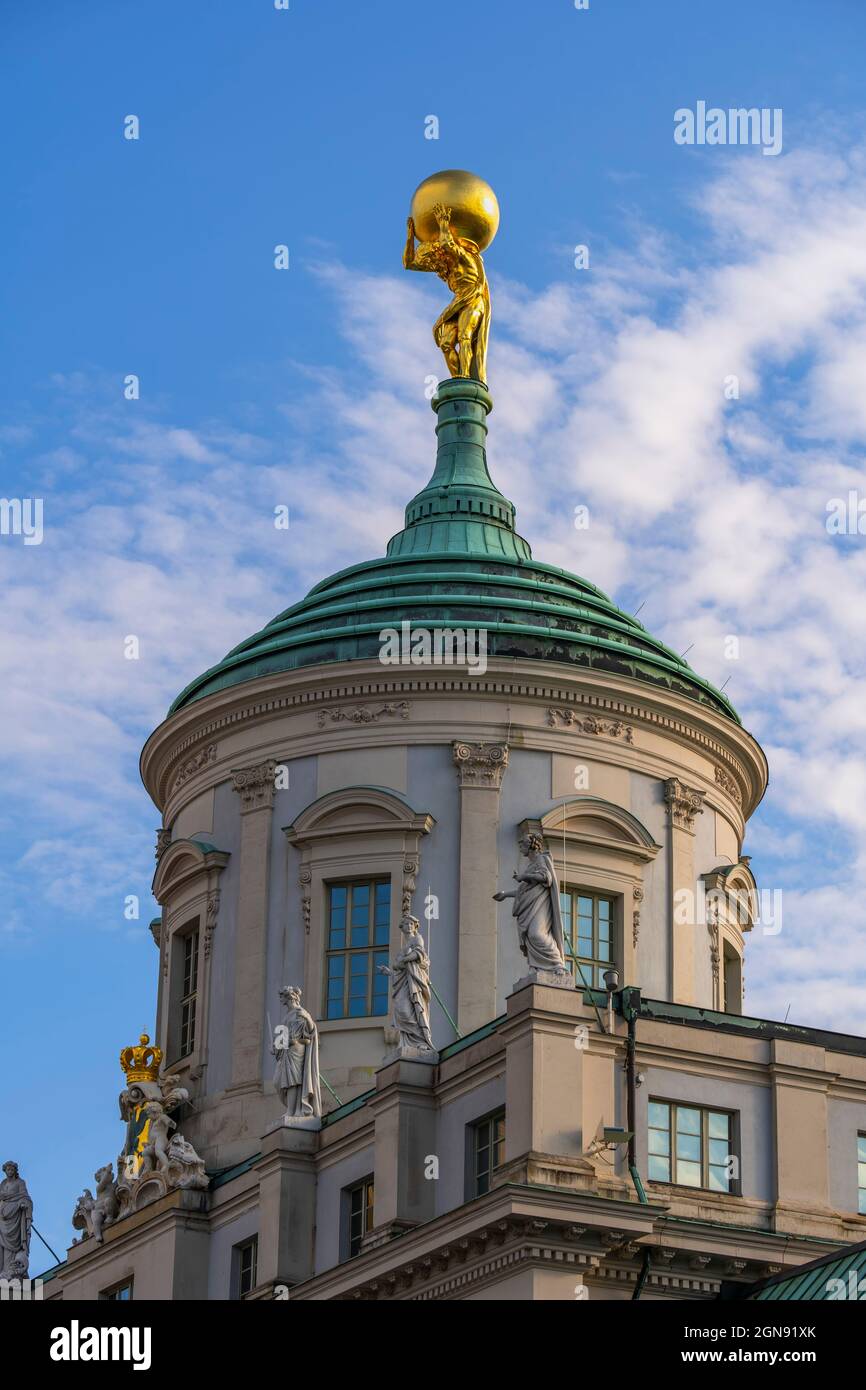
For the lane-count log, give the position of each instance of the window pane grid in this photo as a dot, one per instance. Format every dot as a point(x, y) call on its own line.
point(587, 921)
point(488, 1150)
point(861, 1174)
point(361, 1201)
point(189, 979)
point(690, 1146)
point(359, 919)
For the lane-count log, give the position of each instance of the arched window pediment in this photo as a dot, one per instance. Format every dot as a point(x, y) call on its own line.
point(183, 861)
point(590, 820)
point(357, 810)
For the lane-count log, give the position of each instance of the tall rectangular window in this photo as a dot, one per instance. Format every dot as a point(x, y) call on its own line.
point(861, 1174)
point(361, 1198)
point(587, 923)
point(244, 1265)
point(359, 917)
point(488, 1151)
point(189, 978)
point(692, 1146)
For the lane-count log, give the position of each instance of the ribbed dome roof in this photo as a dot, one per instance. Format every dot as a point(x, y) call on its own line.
point(459, 563)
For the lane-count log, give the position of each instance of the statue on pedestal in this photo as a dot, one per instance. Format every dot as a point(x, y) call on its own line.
point(16, 1219)
point(539, 917)
point(410, 994)
point(295, 1048)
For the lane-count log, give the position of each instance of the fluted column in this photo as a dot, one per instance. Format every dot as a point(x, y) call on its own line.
point(684, 805)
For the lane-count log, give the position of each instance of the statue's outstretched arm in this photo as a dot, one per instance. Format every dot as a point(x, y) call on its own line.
point(409, 261)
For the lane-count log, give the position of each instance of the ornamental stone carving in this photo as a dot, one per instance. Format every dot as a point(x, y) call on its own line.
point(363, 714)
point(255, 786)
point(684, 804)
point(163, 840)
point(410, 869)
point(590, 723)
point(480, 764)
point(637, 894)
point(93, 1214)
point(194, 765)
point(728, 784)
point(211, 915)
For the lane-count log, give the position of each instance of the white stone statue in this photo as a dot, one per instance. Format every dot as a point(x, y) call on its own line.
point(154, 1154)
point(93, 1214)
point(410, 994)
point(16, 1219)
point(295, 1048)
point(185, 1168)
point(539, 917)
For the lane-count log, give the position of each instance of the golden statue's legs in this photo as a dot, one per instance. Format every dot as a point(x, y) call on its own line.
point(446, 339)
point(467, 333)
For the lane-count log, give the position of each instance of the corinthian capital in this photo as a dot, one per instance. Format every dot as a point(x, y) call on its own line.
point(684, 804)
point(480, 764)
point(255, 785)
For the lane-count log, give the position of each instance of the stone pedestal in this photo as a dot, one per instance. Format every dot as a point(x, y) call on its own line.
point(553, 979)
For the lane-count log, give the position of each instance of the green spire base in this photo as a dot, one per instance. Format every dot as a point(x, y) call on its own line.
point(460, 509)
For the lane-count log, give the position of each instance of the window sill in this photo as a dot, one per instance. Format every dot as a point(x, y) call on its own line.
point(684, 1190)
point(343, 1025)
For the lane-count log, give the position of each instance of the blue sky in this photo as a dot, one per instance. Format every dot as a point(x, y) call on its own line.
point(306, 387)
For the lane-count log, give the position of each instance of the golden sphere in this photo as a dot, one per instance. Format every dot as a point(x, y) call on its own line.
point(474, 209)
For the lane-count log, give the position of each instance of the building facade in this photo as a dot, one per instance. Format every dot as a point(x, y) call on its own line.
point(635, 1135)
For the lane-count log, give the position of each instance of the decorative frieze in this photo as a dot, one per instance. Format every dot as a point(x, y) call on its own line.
point(210, 921)
point(590, 723)
point(363, 714)
point(480, 764)
point(410, 869)
point(194, 765)
point(255, 786)
point(684, 804)
point(305, 878)
point(728, 784)
point(637, 894)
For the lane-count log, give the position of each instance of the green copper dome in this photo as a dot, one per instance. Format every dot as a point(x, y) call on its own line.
point(459, 563)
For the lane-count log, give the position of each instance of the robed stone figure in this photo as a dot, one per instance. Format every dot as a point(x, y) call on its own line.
point(296, 1071)
point(410, 990)
point(16, 1219)
point(539, 915)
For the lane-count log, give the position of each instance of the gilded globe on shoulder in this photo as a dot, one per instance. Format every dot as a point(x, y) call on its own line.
point(473, 204)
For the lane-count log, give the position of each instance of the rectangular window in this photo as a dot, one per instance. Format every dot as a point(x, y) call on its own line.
point(488, 1151)
point(861, 1174)
point(359, 918)
point(587, 924)
point(189, 978)
point(360, 1214)
point(121, 1293)
point(244, 1263)
point(691, 1146)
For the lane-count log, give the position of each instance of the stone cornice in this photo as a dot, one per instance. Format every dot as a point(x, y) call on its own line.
point(188, 734)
